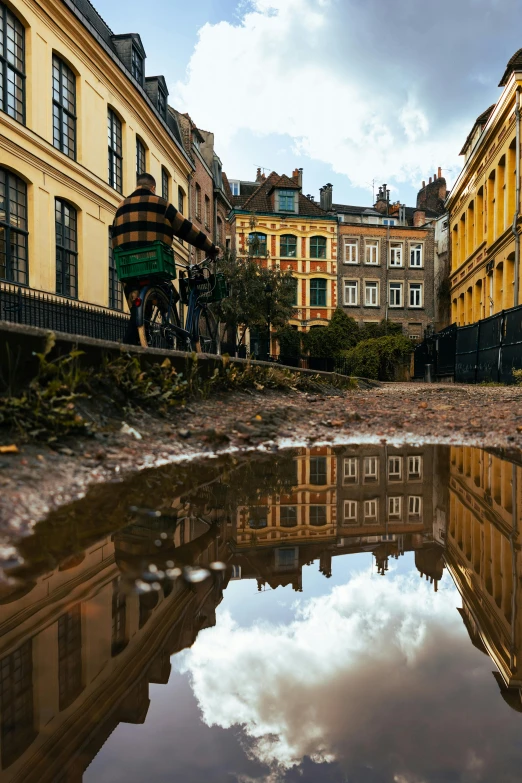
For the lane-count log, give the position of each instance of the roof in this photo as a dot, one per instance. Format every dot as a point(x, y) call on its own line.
point(259, 200)
point(480, 121)
point(91, 14)
point(514, 64)
point(347, 209)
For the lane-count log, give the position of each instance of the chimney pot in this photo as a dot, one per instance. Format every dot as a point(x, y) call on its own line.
point(423, 183)
point(430, 181)
point(439, 172)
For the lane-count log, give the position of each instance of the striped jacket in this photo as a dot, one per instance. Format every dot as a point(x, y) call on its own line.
point(143, 217)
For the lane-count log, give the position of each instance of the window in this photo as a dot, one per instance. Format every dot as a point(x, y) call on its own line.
point(258, 518)
point(416, 255)
point(288, 246)
point(351, 293)
point(351, 252)
point(141, 165)
point(317, 247)
point(396, 254)
point(293, 283)
point(137, 66)
point(395, 294)
point(415, 294)
point(395, 468)
point(181, 200)
point(317, 292)
point(286, 558)
point(198, 202)
point(350, 470)
point(165, 184)
point(207, 213)
point(16, 698)
point(119, 619)
point(115, 151)
point(414, 507)
point(414, 468)
point(162, 103)
point(372, 252)
point(12, 65)
point(64, 108)
point(235, 188)
point(66, 249)
point(70, 675)
point(13, 229)
point(317, 516)
point(219, 231)
point(371, 508)
point(395, 508)
point(286, 200)
point(236, 572)
point(350, 512)
point(318, 471)
point(371, 469)
point(257, 244)
point(115, 289)
point(288, 516)
point(388, 222)
point(371, 294)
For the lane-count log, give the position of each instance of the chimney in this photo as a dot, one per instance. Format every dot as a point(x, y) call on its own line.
point(300, 177)
point(419, 218)
point(439, 173)
point(322, 198)
point(423, 183)
point(430, 181)
point(259, 176)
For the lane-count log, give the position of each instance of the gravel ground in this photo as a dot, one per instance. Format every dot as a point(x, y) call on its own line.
point(38, 478)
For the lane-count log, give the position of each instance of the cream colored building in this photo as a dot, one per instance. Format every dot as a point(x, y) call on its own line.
point(78, 119)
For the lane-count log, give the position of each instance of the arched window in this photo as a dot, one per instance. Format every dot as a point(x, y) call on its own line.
point(12, 65)
point(13, 228)
point(165, 183)
point(288, 246)
point(141, 157)
point(181, 200)
point(64, 108)
point(66, 249)
point(257, 244)
point(317, 247)
point(114, 132)
point(317, 292)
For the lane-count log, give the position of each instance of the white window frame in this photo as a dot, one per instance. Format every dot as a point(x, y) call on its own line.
point(415, 507)
point(395, 462)
point(416, 288)
point(395, 508)
point(350, 470)
point(371, 285)
point(417, 251)
point(351, 251)
point(396, 287)
point(388, 221)
point(396, 255)
point(415, 467)
point(351, 512)
point(371, 252)
point(371, 470)
point(351, 286)
point(371, 506)
point(235, 186)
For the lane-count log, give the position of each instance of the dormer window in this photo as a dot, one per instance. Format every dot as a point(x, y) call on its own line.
point(137, 66)
point(286, 201)
point(162, 103)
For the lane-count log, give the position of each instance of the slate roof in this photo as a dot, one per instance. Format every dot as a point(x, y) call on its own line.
point(481, 120)
point(514, 64)
point(347, 209)
point(259, 201)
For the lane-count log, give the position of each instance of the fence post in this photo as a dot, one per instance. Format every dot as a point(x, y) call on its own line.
point(500, 345)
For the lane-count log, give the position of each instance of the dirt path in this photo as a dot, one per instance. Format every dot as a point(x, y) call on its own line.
point(39, 478)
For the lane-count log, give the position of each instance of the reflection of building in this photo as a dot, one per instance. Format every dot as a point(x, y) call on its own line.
point(483, 556)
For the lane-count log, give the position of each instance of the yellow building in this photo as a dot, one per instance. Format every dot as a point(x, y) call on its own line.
point(78, 119)
point(485, 256)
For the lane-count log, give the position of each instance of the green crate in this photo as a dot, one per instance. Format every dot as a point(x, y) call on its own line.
point(156, 260)
point(213, 288)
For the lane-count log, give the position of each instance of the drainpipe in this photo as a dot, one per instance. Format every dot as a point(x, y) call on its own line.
point(517, 202)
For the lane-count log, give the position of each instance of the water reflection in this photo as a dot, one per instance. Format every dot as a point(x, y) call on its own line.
point(112, 587)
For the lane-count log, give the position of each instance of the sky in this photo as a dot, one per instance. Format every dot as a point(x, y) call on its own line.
point(356, 93)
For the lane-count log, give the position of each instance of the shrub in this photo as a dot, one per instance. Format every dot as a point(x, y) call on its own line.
point(289, 341)
point(377, 358)
point(517, 375)
point(329, 341)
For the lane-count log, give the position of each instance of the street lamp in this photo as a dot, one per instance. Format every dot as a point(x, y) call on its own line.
point(268, 293)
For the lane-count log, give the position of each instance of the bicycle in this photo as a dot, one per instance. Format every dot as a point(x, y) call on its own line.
point(156, 313)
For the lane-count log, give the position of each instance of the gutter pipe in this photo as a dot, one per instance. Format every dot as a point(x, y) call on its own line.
point(517, 202)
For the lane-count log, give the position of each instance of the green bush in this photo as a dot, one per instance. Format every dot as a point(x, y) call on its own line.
point(289, 340)
point(377, 358)
point(329, 341)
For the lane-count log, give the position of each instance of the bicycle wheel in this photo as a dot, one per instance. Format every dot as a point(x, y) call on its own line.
point(158, 317)
point(207, 336)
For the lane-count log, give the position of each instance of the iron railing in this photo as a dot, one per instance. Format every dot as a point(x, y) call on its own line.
point(36, 308)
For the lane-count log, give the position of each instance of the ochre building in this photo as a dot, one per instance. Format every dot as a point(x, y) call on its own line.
point(79, 118)
point(482, 207)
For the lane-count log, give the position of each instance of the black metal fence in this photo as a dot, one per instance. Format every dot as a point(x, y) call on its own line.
point(488, 350)
point(36, 308)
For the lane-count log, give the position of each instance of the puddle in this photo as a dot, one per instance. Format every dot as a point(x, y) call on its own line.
point(326, 614)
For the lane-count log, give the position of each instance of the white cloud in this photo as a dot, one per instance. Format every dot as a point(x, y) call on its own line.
point(296, 67)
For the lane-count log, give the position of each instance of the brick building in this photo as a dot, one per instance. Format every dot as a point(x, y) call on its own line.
point(387, 257)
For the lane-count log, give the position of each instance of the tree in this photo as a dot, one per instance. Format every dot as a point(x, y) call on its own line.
point(257, 296)
point(341, 334)
point(289, 340)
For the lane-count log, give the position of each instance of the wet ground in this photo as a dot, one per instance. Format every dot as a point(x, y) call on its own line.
point(321, 614)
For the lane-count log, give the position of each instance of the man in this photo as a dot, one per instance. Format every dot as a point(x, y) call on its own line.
point(143, 218)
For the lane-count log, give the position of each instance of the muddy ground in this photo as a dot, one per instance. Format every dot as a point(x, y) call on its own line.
point(39, 478)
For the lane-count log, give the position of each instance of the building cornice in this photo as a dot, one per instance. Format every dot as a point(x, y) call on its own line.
point(286, 216)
